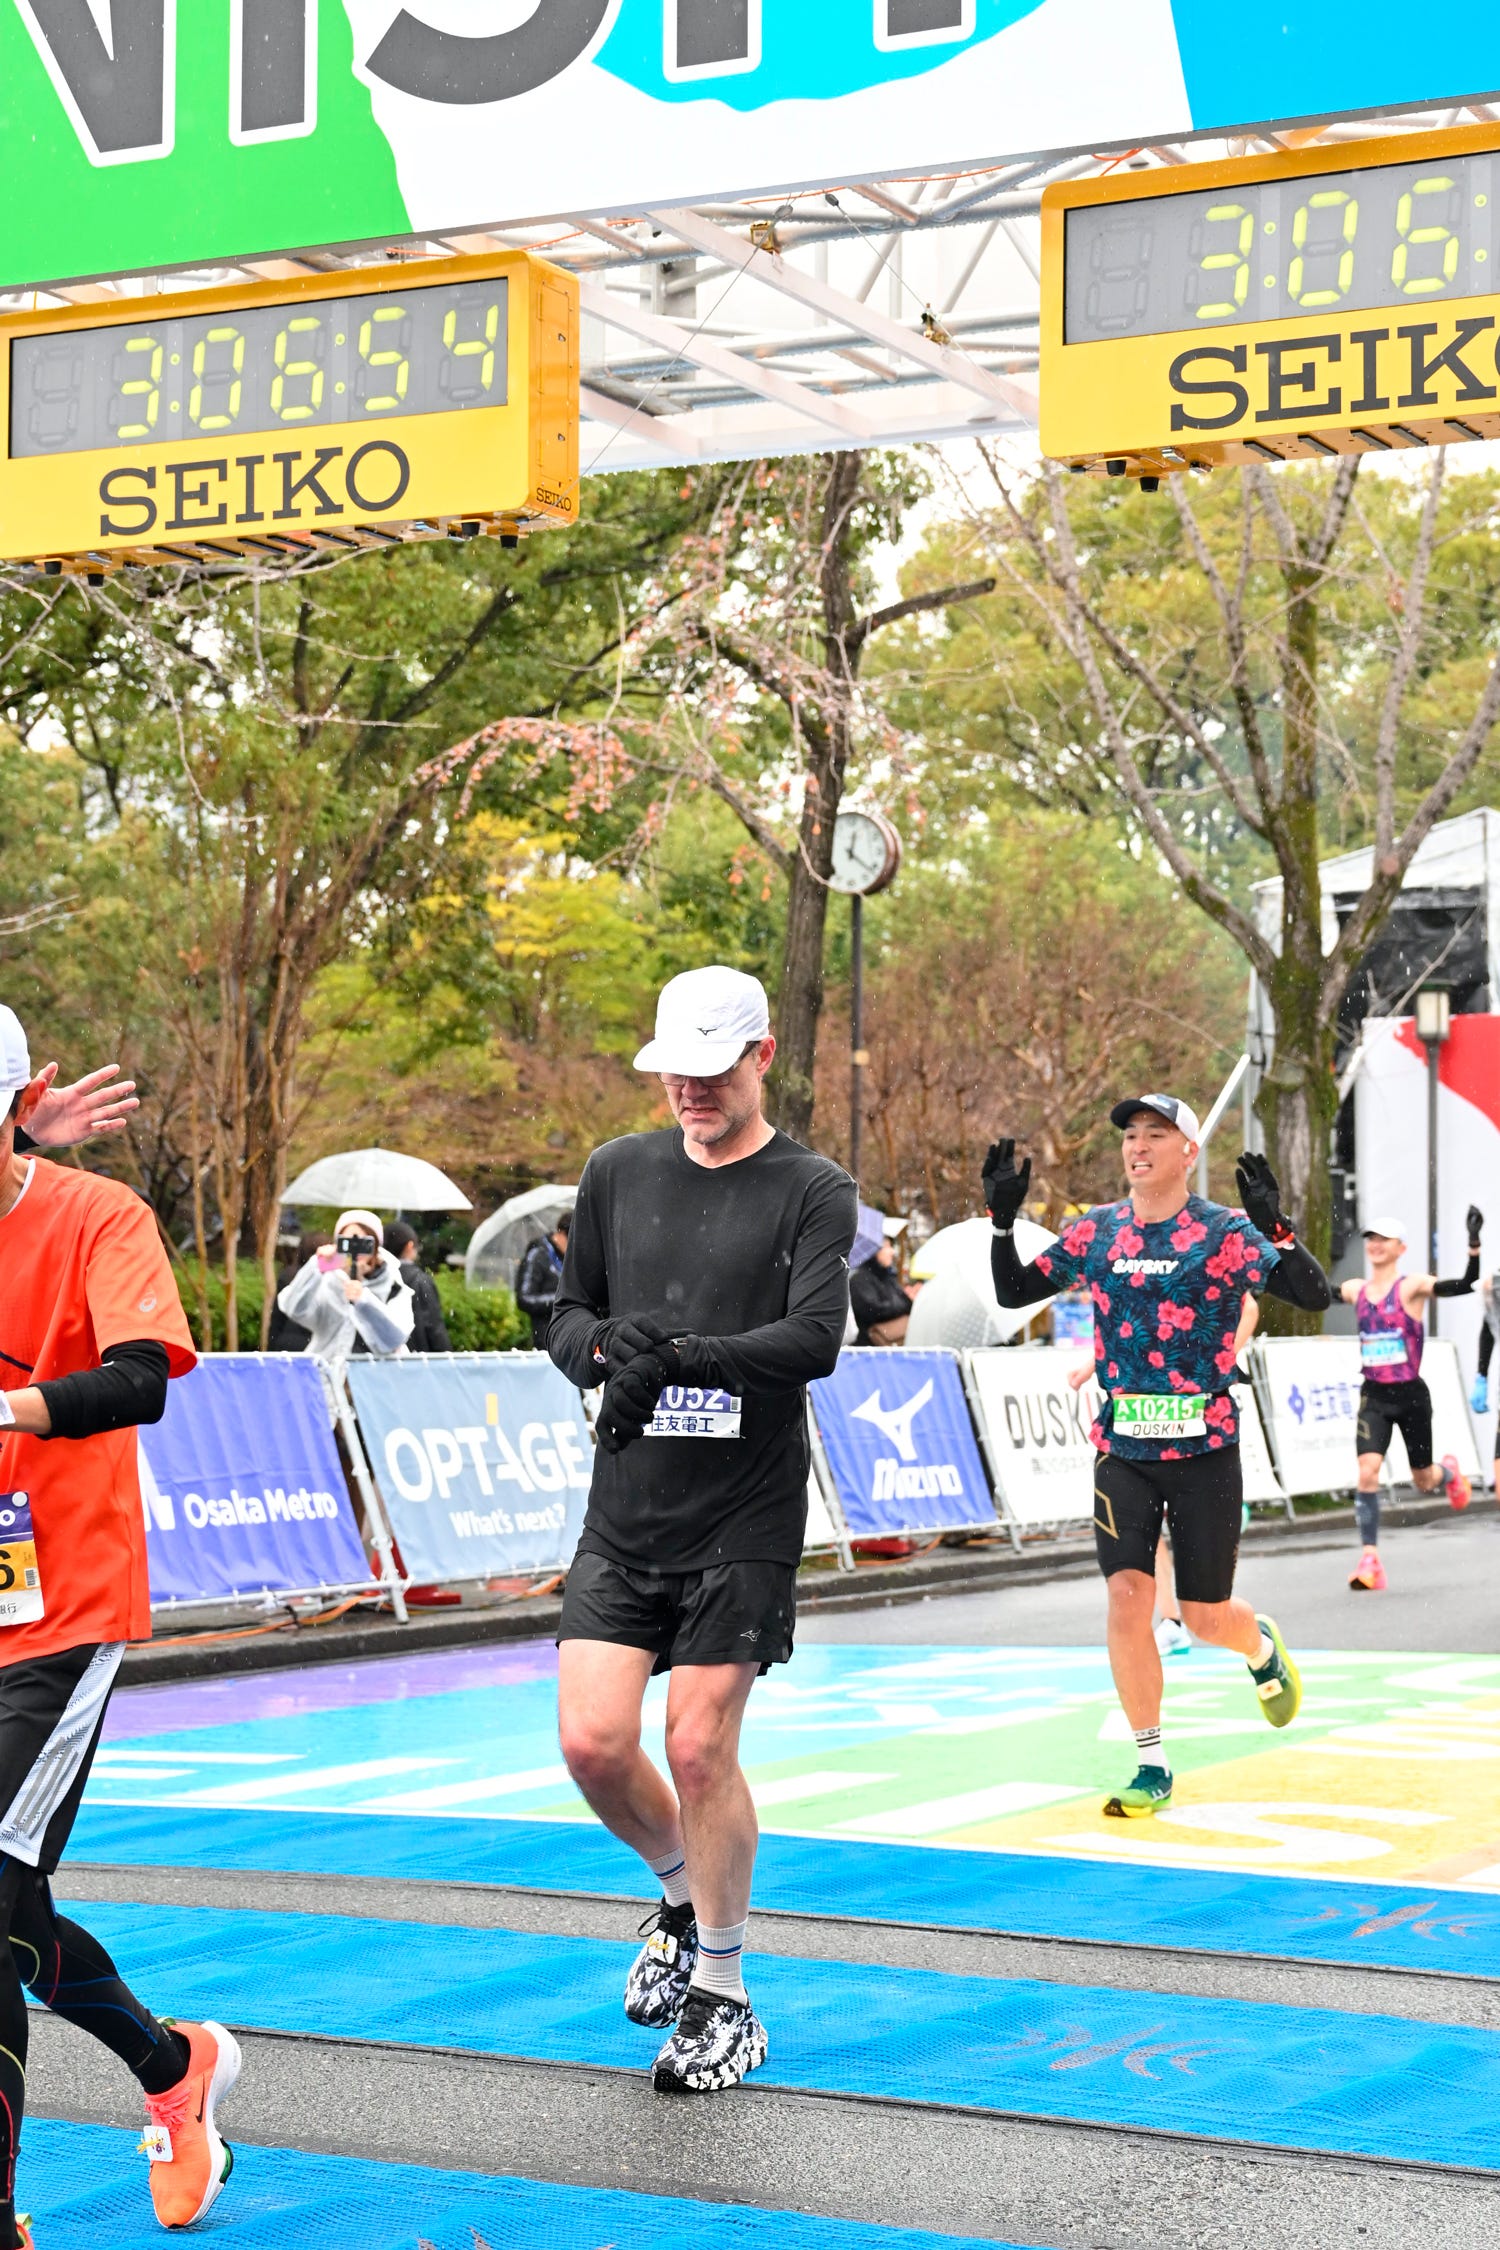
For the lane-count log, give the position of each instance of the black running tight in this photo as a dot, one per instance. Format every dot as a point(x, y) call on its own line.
point(73, 1976)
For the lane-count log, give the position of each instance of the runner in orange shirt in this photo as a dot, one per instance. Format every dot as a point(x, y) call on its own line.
point(91, 1330)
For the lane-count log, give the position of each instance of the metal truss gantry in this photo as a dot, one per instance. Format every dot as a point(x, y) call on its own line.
point(884, 312)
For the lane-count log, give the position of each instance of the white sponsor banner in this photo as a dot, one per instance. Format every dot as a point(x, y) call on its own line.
point(1036, 1430)
point(1313, 1383)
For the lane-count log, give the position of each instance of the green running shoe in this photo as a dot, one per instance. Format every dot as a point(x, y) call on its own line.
point(1150, 1792)
point(1279, 1683)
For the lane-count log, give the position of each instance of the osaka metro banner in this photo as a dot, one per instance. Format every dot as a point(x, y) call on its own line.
point(146, 133)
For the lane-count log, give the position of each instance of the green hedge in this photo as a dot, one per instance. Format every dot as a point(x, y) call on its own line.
point(479, 1320)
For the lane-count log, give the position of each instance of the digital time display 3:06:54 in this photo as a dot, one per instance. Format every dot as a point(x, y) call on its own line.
point(295, 366)
point(1389, 234)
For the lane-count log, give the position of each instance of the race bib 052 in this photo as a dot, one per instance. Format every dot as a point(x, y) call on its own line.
point(682, 1412)
point(20, 1580)
point(1160, 1417)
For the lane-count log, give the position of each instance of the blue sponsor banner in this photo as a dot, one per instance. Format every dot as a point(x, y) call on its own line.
point(242, 1485)
point(895, 1427)
point(484, 1460)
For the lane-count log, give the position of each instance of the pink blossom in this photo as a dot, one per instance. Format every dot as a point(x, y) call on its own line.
point(1078, 1236)
point(1224, 1360)
point(1044, 1264)
point(1220, 1413)
point(1173, 1453)
point(1187, 1232)
point(1157, 1359)
point(1127, 1328)
point(1127, 1243)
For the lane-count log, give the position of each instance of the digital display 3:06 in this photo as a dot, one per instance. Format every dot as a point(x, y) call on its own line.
point(1391, 234)
point(312, 361)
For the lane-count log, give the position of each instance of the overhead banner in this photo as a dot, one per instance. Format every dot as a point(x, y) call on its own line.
point(1036, 1432)
point(242, 1485)
point(136, 134)
point(895, 1428)
point(1314, 1383)
point(483, 1460)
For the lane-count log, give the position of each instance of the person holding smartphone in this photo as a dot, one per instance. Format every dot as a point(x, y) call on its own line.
point(352, 1297)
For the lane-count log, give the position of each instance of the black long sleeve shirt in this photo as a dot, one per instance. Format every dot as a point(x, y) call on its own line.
point(748, 1264)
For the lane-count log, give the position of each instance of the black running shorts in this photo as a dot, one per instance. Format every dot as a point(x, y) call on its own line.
point(1201, 1499)
point(51, 1712)
point(734, 1613)
point(1406, 1407)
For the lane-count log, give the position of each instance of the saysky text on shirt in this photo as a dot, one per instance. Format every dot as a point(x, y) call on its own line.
point(1167, 1302)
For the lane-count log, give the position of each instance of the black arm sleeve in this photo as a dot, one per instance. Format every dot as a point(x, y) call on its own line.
point(1486, 1348)
point(1015, 1284)
point(129, 1388)
point(1465, 1282)
point(1297, 1279)
point(579, 1310)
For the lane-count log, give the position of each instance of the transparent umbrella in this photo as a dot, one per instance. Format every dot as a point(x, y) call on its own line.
point(380, 1179)
point(957, 1303)
point(500, 1242)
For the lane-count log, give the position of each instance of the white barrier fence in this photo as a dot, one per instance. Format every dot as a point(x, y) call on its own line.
point(1310, 1387)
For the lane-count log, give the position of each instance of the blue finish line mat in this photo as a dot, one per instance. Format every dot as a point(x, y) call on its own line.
point(1370, 1924)
point(1298, 2078)
point(86, 2185)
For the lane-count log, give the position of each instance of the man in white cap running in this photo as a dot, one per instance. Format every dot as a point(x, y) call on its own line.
point(1393, 1395)
point(706, 1283)
point(1169, 1273)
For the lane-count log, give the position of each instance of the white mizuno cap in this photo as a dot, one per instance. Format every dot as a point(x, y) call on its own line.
point(705, 1019)
point(1166, 1105)
point(15, 1058)
point(1384, 1223)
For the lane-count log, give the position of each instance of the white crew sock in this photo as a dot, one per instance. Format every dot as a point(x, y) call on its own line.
point(1263, 1654)
point(671, 1871)
point(1148, 1744)
point(717, 1969)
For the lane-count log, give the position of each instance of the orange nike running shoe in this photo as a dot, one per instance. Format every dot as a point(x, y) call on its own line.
point(189, 2162)
point(1460, 1491)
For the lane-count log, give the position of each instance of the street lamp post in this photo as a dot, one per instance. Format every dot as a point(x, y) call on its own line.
point(1434, 1022)
point(866, 855)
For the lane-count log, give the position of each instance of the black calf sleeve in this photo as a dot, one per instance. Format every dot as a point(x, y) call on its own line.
point(72, 1975)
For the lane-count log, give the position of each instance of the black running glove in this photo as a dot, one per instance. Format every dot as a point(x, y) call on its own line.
point(630, 1397)
point(1005, 1186)
point(1261, 1197)
point(629, 1338)
point(1474, 1220)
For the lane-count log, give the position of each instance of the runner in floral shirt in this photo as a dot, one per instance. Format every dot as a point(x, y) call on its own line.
point(1168, 1273)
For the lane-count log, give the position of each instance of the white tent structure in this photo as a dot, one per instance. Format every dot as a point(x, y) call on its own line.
point(500, 1242)
point(957, 1303)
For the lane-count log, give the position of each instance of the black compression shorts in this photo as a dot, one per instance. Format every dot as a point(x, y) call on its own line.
point(733, 1613)
point(1201, 1499)
point(1406, 1407)
point(51, 1712)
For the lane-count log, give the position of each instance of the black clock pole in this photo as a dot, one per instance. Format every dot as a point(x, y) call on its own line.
point(857, 1055)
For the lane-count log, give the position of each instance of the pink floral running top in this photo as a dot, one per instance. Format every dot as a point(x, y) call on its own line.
point(1390, 1338)
point(1167, 1301)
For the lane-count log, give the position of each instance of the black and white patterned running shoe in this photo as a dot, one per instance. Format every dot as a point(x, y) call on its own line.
point(663, 1969)
point(717, 2043)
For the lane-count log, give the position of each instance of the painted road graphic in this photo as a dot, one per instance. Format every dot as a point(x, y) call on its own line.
point(1390, 1774)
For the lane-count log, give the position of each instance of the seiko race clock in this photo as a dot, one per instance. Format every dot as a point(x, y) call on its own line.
point(266, 421)
point(1272, 308)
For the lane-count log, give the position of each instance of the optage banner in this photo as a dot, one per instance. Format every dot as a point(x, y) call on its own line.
point(140, 133)
point(483, 1460)
point(896, 1430)
point(242, 1485)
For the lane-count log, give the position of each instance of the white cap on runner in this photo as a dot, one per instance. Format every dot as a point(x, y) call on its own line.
point(1166, 1105)
point(15, 1059)
point(1384, 1223)
point(705, 1019)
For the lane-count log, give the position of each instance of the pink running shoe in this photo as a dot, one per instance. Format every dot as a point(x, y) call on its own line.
point(1460, 1491)
point(1369, 1575)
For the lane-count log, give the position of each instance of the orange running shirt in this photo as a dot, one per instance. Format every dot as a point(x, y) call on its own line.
point(81, 1267)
